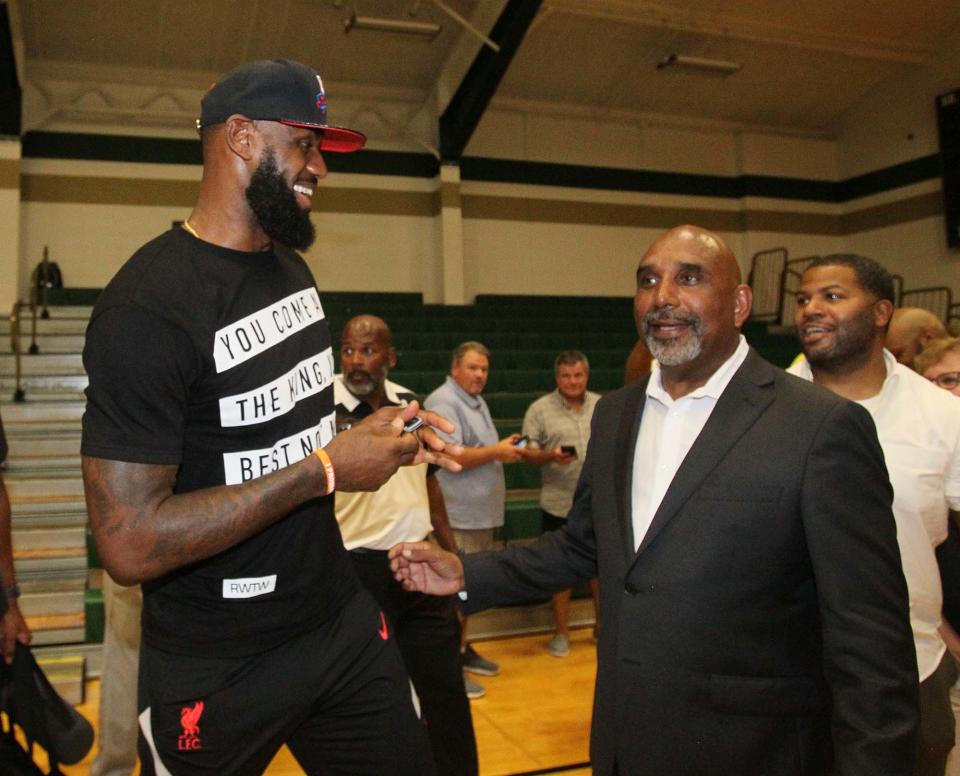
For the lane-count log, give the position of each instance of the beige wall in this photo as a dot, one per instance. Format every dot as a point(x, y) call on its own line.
point(383, 232)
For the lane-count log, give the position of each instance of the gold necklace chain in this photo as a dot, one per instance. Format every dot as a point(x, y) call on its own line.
point(186, 225)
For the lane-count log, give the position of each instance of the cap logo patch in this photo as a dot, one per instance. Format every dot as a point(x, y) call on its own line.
point(321, 98)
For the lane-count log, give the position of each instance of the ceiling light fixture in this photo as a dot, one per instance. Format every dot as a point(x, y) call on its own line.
point(381, 24)
point(721, 67)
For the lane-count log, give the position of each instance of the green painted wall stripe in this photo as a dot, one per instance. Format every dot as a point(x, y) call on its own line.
point(596, 213)
point(359, 201)
point(108, 191)
point(928, 205)
point(450, 195)
point(174, 193)
point(65, 145)
point(9, 173)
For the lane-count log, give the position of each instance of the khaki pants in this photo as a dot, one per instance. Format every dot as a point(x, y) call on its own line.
point(117, 746)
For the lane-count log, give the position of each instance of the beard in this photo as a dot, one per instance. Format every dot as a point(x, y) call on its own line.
point(275, 206)
point(850, 348)
point(677, 351)
point(372, 384)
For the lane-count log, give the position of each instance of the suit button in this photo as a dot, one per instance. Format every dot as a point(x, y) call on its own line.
point(630, 589)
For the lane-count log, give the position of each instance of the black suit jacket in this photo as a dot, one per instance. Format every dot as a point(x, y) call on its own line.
point(762, 628)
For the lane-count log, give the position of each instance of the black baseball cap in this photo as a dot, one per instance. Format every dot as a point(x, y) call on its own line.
point(277, 90)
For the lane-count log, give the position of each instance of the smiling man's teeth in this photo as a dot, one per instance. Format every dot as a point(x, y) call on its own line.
point(301, 188)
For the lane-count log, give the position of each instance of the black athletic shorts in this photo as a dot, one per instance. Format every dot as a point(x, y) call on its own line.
point(338, 696)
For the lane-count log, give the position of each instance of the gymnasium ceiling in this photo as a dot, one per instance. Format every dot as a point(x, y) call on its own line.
point(804, 63)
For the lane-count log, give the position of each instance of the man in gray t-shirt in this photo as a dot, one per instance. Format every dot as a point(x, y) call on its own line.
point(475, 496)
point(558, 426)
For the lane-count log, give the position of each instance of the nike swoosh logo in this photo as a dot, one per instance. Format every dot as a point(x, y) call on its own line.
point(383, 630)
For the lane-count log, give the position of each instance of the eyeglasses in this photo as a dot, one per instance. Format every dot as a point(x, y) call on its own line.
point(948, 380)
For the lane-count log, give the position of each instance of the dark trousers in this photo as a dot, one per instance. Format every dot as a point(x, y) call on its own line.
point(338, 696)
point(935, 737)
point(428, 634)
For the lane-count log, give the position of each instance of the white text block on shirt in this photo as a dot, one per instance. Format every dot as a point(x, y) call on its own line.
point(260, 331)
point(279, 396)
point(248, 465)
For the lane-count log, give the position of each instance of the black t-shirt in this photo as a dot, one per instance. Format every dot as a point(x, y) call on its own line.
point(219, 362)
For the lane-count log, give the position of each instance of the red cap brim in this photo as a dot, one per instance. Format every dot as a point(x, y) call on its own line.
point(336, 139)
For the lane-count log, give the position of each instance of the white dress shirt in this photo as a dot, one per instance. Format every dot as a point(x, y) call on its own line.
point(918, 425)
point(668, 429)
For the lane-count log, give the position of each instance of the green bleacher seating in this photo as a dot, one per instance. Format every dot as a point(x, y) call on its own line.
point(507, 427)
point(521, 521)
point(522, 380)
point(93, 615)
point(522, 476)
point(418, 360)
point(510, 405)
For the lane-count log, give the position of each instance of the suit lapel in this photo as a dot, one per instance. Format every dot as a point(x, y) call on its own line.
point(626, 444)
point(746, 398)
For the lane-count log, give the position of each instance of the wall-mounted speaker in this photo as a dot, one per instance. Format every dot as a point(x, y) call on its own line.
point(948, 124)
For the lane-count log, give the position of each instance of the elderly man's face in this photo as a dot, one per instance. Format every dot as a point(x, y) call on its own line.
point(572, 381)
point(471, 372)
point(686, 305)
point(365, 361)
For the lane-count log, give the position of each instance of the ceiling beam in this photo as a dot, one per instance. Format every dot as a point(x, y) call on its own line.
point(468, 104)
point(649, 13)
point(11, 96)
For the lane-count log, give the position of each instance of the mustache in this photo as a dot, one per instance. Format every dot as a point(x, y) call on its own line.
point(664, 314)
point(354, 374)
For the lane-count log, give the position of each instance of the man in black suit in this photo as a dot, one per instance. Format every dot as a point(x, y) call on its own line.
point(754, 609)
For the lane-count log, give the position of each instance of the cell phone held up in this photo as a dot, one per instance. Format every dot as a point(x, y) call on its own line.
point(413, 424)
point(521, 442)
point(569, 450)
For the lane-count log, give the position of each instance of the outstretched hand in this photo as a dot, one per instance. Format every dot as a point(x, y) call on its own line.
point(433, 448)
point(366, 455)
point(424, 568)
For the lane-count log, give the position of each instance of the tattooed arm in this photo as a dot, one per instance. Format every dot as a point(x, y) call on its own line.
point(143, 530)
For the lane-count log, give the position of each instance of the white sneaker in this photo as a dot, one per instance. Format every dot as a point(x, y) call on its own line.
point(559, 645)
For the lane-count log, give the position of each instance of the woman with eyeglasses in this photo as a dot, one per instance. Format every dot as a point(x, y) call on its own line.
point(939, 362)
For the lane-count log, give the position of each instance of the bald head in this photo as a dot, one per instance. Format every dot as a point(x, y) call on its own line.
point(368, 326)
point(911, 329)
point(709, 246)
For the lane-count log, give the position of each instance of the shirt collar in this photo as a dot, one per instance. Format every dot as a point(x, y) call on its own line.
point(802, 369)
point(712, 389)
point(471, 401)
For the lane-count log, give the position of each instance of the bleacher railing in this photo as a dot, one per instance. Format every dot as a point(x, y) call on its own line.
point(766, 280)
point(16, 332)
point(775, 279)
point(936, 299)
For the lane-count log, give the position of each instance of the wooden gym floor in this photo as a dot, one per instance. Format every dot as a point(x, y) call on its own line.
point(535, 717)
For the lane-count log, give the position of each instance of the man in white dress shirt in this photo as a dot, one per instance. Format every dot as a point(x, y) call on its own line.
point(755, 615)
point(844, 307)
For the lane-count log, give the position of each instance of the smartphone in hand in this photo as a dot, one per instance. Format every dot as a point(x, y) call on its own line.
point(413, 424)
point(568, 450)
point(522, 441)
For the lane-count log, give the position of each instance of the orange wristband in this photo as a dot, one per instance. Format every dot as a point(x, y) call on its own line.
point(327, 470)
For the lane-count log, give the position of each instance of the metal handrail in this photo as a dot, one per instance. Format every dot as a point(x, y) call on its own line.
point(19, 394)
point(16, 322)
